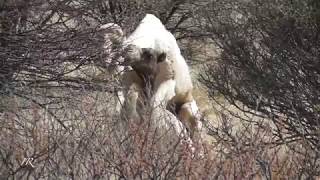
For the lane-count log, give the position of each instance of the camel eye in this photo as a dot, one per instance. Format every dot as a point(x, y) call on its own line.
point(162, 57)
point(147, 55)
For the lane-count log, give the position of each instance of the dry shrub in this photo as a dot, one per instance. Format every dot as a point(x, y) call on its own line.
point(71, 126)
point(96, 143)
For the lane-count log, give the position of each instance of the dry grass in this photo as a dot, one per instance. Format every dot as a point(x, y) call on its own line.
point(100, 145)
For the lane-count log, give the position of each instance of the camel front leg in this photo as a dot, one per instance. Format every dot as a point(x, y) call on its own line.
point(164, 93)
point(190, 115)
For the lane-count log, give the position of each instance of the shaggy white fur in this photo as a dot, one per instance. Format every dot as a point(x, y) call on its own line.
point(151, 33)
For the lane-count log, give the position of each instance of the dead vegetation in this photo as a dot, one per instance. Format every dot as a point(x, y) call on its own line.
point(255, 128)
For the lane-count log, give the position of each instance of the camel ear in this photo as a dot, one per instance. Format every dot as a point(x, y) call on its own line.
point(162, 57)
